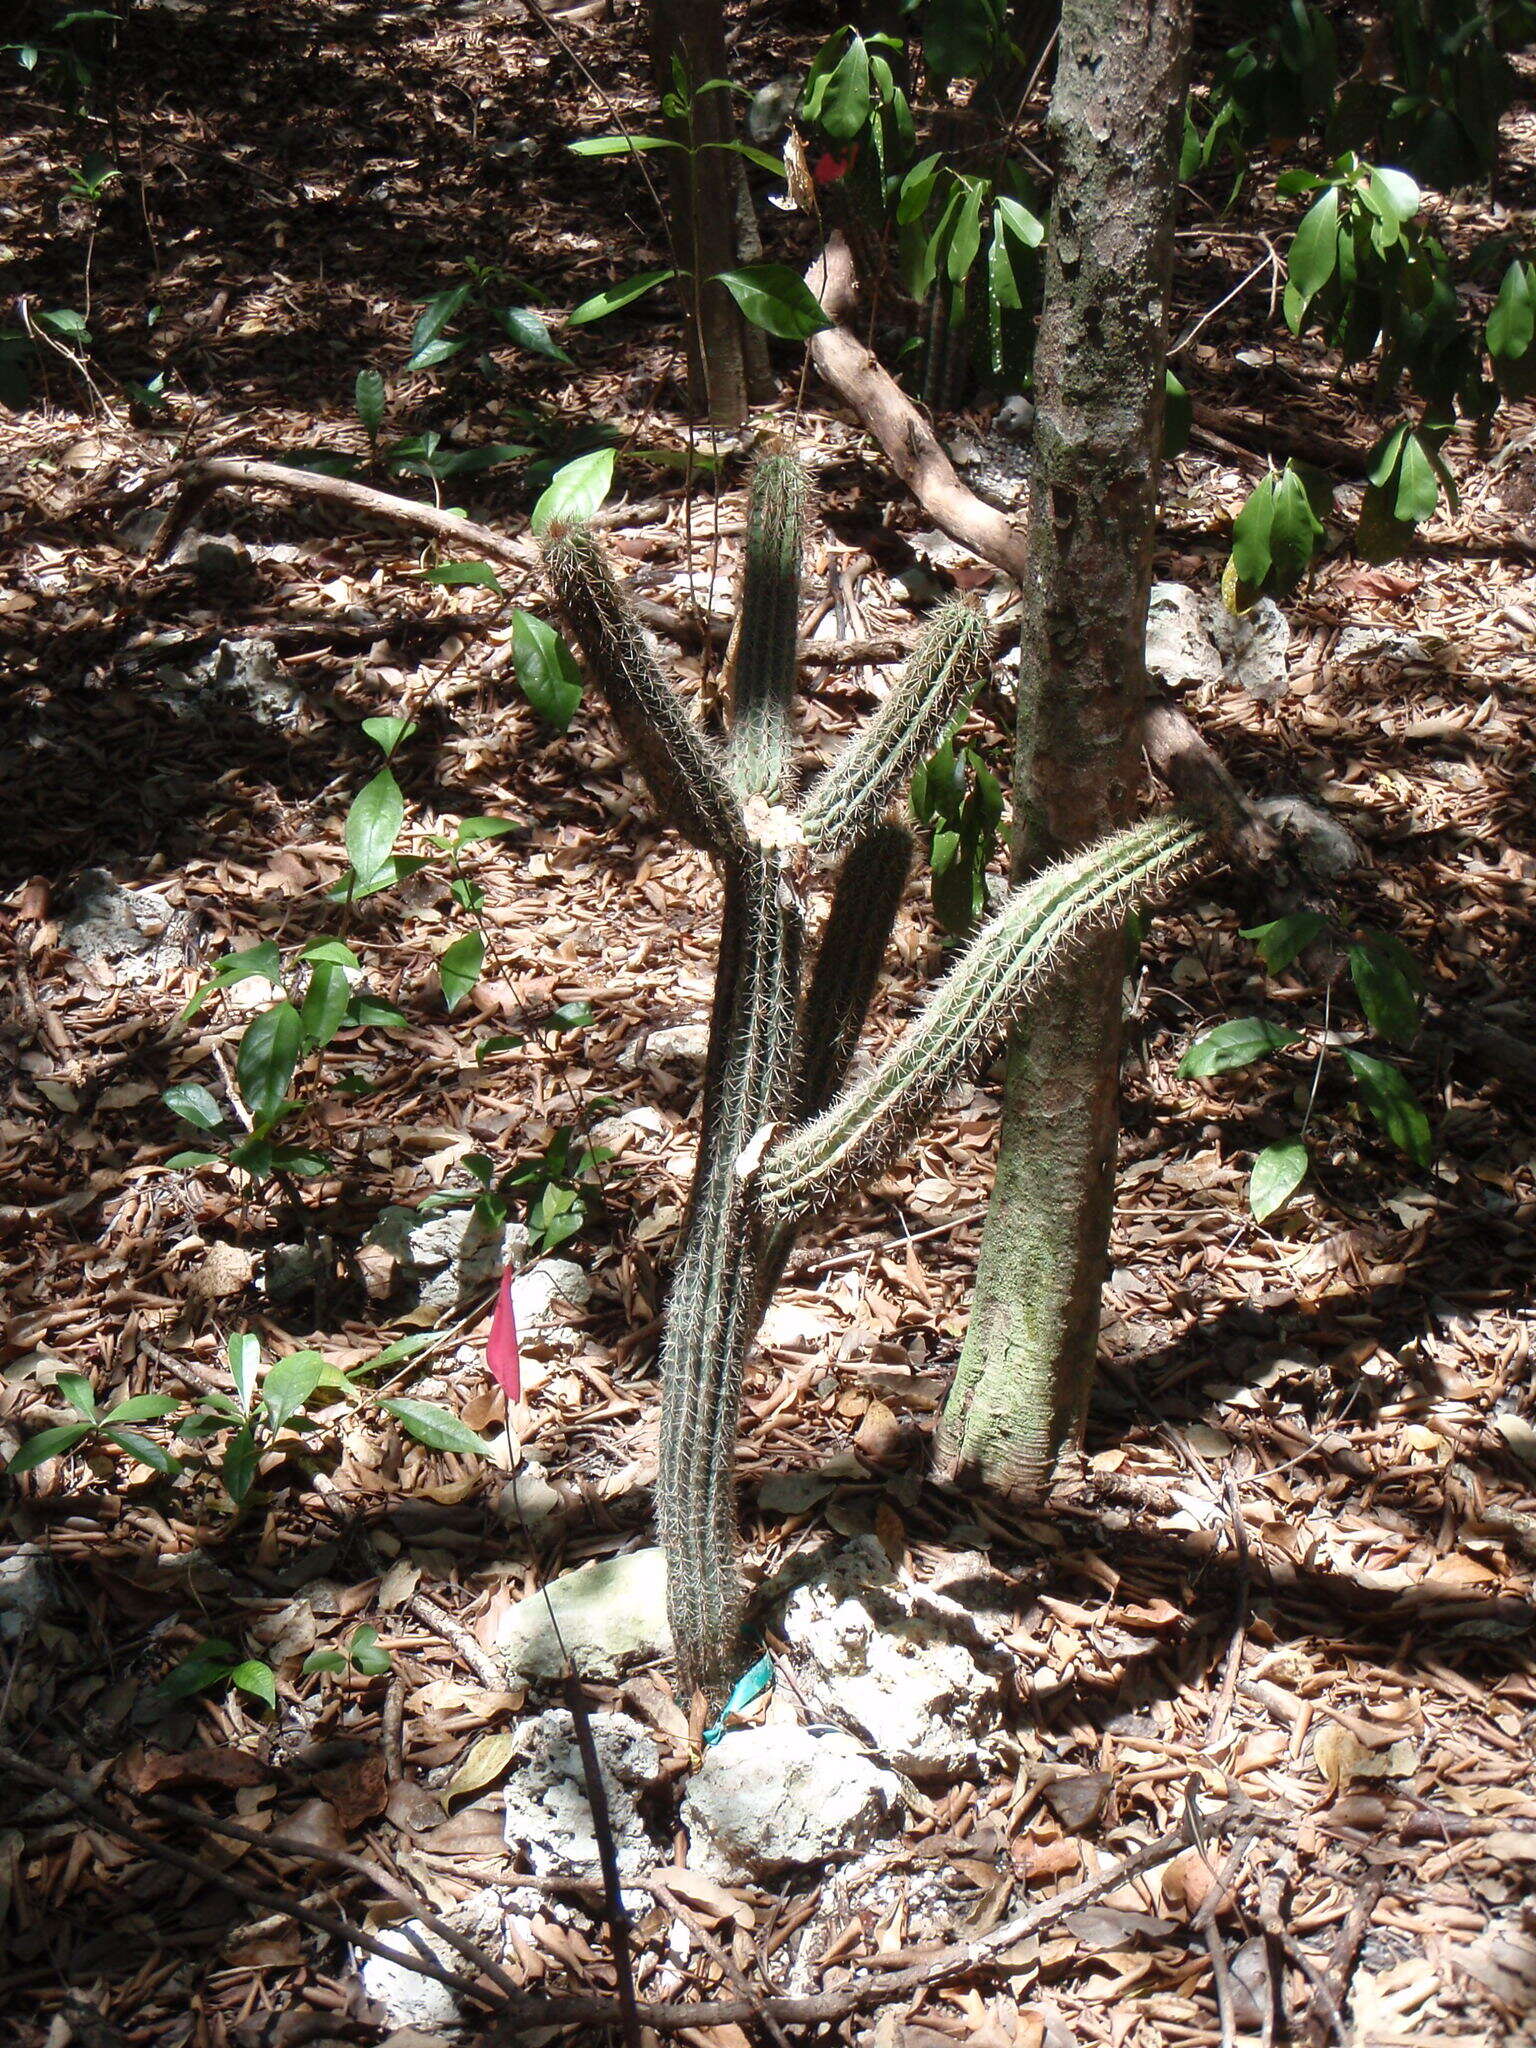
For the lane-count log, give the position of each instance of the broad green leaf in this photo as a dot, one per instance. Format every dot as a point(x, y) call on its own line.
point(325, 1003)
point(1277, 1173)
point(289, 1384)
point(372, 1013)
point(244, 1353)
point(775, 298)
point(1386, 996)
point(1391, 1101)
point(1250, 534)
point(843, 110)
point(1294, 531)
point(396, 1353)
point(269, 1052)
point(473, 829)
point(546, 670)
point(455, 575)
point(570, 1017)
point(459, 968)
point(620, 145)
point(194, 1104)
point(965, 235)
point(65, 321)
point(79, 1393)
point(501, 1041)
point(1029, 228)
point(48, 1443)
point(525, 327)
point(576, 489)
point(395, 867)
point(187, 1160)
point(364, 1653)
point(144, 1408)
point(323, 1660)
point(209, 1664)
point(1178, 416)
point(1284, 940)
point(145, 1449)
point(1382, 460)
point(368, 397)
point(436, 1428)
point(1418, 483)
point(1314, 256)
point(373, 824)
point(263, 960)
point(1394, 192)
point(435, 317)
point(1235, 1044)
point(1512, 322)
point(617, 296)
point(330, 953)
point(238, 1470)
point(255, 1678)
point(388, 733)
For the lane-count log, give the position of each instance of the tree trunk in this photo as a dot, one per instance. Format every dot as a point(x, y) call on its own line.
point(727, 358)
point(1026, 1369)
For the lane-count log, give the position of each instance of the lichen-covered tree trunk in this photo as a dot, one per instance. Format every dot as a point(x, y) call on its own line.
point(727, 358)
point(1026, 1368)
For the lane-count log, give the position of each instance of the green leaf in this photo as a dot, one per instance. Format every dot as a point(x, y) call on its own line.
point(473, 829)
point(269, 1052)
point(1512, 323)
point(1235, 1044)
point(501, 1041)
point(323, 1660)
point(1029, 228)
point(775, 298)
point(617, 296)
point(48, 1443)
point(351, 887)
point(180, 1161)
point(436, 1428)
point(1178, 416)
point(194, 1104)
point(570, 1017)
point(1250, 534)
point(1284, 940)
point(372, 1013)
point(368, 397)
point(843, 108)
point(145, 1449)
point(1385, 993)
point(64, 321)
point(387, 734)
point(457, 574)
point(1418, 483)
point(364, 1653)
point(1294, 532)
point(1277, 1173)
point(1314, 256)
point(525, 327)
point(546, 670)
point(238, 1470)
point(620, 145)
point(144, 1408)
point(459, 968)
point(209, 1664)
point(1391, 1101)
point(396, 1353)
point(373, 824)
point(576, 490)
point(244, 1354)
point(263, 960)
point(965, 235)
point(255, 1678)
point(326, 1001)
point(79, 1393)
point(330, 953)
point(435, 317)
point(289, 1385)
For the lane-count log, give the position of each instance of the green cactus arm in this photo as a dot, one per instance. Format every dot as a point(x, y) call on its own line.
point(763, 683)
point(717, 1294)
point(681, 764)
point(848, 963)
point(873, 1122)
point(861, 784)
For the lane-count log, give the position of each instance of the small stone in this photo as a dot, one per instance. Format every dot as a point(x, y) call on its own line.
point(1359, 644)
point(1077, 1798)
point(136, 932)
point(408, 1999)
point(26, 1591)
point(548, 1815)
point(612, 1614)
point(1179, 645)
point(287, 1270)
point(685, 1045)
point(774, 1798)
point(451, 1258)
point(1254, 646)
point(1322, 844)
point(529, 1501)
point(542, 1300)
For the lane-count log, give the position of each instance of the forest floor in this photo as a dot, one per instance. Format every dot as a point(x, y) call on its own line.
point(1311, 1593)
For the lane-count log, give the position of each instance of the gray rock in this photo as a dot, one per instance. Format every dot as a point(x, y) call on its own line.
point(243, 675)
point(686, 1045)
point(287, 1270)
point(136, 934)
point(450, 1258)
point(1193, 638)
point(1358, 644)
point(528, 1501)
point(542, 1299)
point(1322, 844)
point(774, 1798)
point(1254, 646)
point(612, 1614)
point(1179, 645)
point(408, 1999)
point(905, 1667)
point(214, 557)
point(548, 1814)
point(26, 1591)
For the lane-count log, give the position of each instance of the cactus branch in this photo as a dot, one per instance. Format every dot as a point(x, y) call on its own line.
point(763, 686)
point(848, 962)
point(679, 761)
point(872, 1122)
point(717, 1292)
point(864, 780)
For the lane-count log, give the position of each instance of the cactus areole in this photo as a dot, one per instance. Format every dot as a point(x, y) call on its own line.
point(785, 1134)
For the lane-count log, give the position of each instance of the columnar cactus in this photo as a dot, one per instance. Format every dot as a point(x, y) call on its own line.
point(783, 1136)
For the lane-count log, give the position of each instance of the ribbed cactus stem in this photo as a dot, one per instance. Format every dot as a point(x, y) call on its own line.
point(862, 783)
point(848, 963)
point(875, 1120)
point(716, 1300)
point(763, 684)
point(680, 762)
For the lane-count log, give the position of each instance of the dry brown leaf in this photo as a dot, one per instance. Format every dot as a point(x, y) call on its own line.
point(487, 1760)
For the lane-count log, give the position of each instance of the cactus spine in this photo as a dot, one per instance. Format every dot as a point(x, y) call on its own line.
point(779, 1141)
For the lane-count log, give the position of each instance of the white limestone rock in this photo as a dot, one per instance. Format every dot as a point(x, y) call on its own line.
point(612, 1615)
point(776, 1798)
point(548, 1813)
